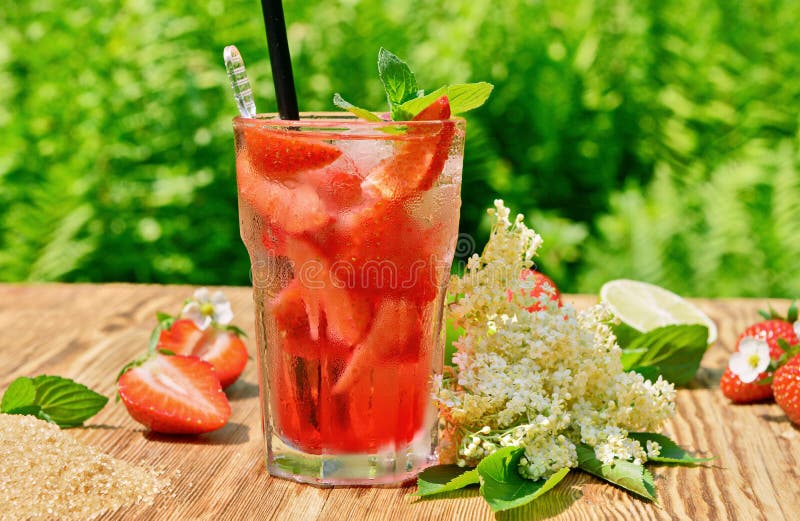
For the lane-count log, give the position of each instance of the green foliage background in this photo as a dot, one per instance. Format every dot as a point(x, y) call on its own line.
point(649, 139)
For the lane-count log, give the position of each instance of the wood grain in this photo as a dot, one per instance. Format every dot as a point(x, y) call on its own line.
point(87, 332)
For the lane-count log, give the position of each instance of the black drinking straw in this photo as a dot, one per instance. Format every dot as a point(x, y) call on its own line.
point(279, 58)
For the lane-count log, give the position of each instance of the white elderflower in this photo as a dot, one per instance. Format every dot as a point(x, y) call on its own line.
point(204, 309)
point(545, 380)
point(751, 360)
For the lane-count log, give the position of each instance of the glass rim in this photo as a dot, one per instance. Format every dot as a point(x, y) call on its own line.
point(332, 120)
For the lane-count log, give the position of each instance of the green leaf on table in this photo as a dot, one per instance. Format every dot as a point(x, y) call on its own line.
point(503, 487)
point(398, 82)
point(625, 474)
point(462, 97)
point(52, 398)
point(650, 372)
point(445, 478)
point(21, 393)
point(671, 452)
point(676, 351)
point(358, 111)
point(625, 334)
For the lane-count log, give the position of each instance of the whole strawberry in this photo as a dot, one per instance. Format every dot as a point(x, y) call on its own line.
point(786, 386)
point(772, 338)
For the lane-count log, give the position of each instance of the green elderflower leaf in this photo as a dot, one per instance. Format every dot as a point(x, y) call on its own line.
point(503, 487)
point(445, 478)
point(625, 474)
point(670, 452)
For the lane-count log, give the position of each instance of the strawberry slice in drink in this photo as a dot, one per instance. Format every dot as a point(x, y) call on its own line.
point(419, 160)
point(280, 156)
point(294, 209)
point(380, 249)
point(289, 312)
point(338, 185)
point(347, 317)
point(395, 336)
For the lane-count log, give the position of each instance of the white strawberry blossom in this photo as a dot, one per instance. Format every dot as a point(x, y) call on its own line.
point(206, 308)
point(796, 327)
point(751, 360)
point(544, 380)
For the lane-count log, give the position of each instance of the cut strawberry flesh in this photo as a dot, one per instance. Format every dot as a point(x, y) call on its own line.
point(395, 336)
point(295, 210)
point(347, 316)
point(419, 160)
point(175, 395)
point(222, 349)
point(338, 185)
point(281, 155)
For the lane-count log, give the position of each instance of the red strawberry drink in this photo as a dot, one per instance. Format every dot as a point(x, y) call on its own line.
point(351, 227)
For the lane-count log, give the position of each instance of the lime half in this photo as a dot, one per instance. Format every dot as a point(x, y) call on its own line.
point(644, 306)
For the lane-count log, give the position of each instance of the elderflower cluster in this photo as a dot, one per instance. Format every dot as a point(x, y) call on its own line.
point(532, 373)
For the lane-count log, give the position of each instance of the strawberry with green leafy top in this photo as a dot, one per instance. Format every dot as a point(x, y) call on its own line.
point(767, 344)
point(786, 386)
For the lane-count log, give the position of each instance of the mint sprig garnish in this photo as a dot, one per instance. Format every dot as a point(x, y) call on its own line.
point(406, 99)
point(52, 398)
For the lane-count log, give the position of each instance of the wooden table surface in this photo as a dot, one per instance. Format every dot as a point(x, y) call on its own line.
point(87, 332)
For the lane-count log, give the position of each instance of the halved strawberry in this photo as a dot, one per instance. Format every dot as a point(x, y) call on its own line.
point(280, 155)
point(297, 209)
point(395, 336)
point(419, 160)
point(174, 395)
point(222, 348)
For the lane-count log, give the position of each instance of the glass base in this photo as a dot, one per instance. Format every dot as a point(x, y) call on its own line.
point(390, 467)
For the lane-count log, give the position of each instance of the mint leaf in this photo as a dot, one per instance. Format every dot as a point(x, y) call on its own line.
point(650, 372)
point(340, 102)
point(445, 478)
point(502, 486)
point(462, 97)
point(675, 350)
point(468, 96)
point(625, 474)
point(398, 82)
point(20, 394)
point(52, 398)
point(671, 452)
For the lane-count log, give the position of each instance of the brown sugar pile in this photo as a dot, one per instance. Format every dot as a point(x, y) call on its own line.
point(47, 474)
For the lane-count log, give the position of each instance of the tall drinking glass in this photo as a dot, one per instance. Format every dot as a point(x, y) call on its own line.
point(351, 228)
